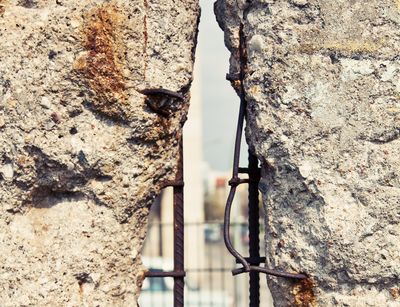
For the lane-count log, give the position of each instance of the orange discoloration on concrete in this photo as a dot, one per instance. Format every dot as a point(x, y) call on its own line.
point(303, 293)
point(398, 4)
point(102, 63)
point(395, 293)
point(255, 90)
point(2, 7)
point(146, 36)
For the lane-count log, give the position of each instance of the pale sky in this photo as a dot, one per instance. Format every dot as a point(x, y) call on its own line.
point(220, 102)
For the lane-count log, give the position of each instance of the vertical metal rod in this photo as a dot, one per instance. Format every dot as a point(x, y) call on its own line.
point(254, 229)
point(236, 181)
point(179, 281)
point(231, 196)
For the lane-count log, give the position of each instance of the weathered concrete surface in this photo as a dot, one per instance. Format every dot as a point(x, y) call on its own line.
point(81, 153)
point(322, 82)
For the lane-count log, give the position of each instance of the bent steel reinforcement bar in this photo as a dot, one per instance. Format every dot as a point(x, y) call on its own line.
point(251, 264)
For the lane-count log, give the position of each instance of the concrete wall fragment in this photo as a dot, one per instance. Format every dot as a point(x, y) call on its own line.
point(322, 83)
point(82, 153)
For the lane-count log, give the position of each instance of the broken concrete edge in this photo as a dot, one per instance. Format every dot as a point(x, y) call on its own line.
point(98, 166)
point(231, 19)
point(323, 285)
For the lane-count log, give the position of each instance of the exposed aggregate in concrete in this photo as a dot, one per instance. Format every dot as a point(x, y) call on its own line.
point(81, 153)
point(323, 86)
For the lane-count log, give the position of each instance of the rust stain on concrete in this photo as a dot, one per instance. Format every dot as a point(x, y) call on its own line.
point(303, 293)
point(146, 36)
point(346, 47)
point(102, 63)
point(395, 293)
point(2, 7)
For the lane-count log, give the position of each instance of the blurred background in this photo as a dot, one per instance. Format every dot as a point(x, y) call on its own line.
point(208, 149)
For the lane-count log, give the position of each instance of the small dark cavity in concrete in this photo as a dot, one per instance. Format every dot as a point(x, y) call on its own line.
point(52, 54)
point(28, 3)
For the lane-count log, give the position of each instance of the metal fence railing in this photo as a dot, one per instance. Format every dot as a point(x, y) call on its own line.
point(208, 267)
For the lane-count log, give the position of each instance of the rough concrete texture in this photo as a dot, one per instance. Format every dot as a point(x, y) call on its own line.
point(322, 80)
point(82, 154)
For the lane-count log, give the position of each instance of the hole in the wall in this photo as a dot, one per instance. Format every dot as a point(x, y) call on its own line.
point(209, 136)
point(73, 130)
point(52, 54)
point(220, 103)
point(28, 3)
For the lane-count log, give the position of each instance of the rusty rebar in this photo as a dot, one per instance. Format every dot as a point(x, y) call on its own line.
point(178, 272)
point(254, 228)
point(179, 257)
point(166, 274)
point(236, 180)
point(161, 91)
point(162, 101)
